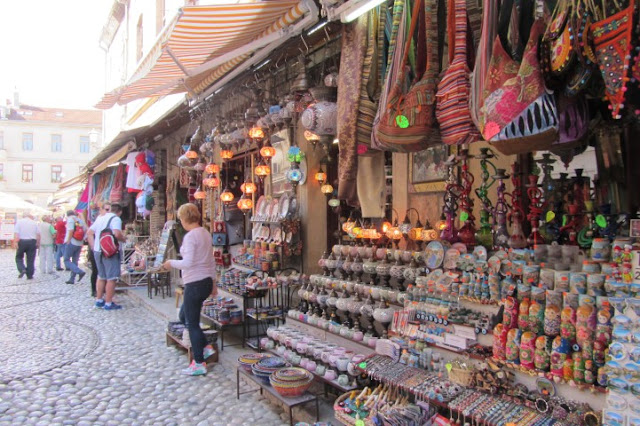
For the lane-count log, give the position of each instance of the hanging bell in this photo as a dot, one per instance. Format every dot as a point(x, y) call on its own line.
point(301, 83)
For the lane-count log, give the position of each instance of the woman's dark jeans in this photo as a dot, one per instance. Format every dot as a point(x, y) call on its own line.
point(195, 293)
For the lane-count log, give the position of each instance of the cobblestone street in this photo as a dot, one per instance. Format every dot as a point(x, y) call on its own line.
point(64, 362)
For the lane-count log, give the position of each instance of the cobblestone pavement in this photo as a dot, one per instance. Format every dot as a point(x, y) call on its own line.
point(64, 362)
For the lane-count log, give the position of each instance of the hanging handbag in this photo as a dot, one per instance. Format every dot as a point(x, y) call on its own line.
point(452, 99)
point(519, 114)
point(483, 58)
point(407, 121)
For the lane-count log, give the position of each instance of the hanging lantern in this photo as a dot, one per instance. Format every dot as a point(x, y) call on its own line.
point(262, 170)
point(212, 168)
point(248, 188)
point(256, 133)
point(406, 225)
point(211, 182)
point(245, 204)
point(295, 155)
point(415, 234)
point(226, 196)
point(294, 174)
point(395, 234)
point(326, 189)
point(321, 176)
point(428, 233)
point(334, 202)
point(226, 154)
point(311, 137)
point(267, 151)
point(385, 227)
point(191, 154)
point(348, 225)
point(441, 225)
point(199, 194)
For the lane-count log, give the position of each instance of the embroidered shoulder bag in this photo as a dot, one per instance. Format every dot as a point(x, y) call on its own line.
point(519, 114)
point(452, 107)
point(407, 121)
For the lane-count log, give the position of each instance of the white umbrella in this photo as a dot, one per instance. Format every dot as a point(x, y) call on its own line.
point(11, 202)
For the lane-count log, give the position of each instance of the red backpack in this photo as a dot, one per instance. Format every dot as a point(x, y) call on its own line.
point(109, 245)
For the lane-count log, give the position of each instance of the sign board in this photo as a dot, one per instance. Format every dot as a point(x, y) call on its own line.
point(7, 226)
point(164, 242)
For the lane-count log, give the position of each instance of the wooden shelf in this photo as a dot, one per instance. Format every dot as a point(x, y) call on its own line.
point(269, 317)
point(353, 342)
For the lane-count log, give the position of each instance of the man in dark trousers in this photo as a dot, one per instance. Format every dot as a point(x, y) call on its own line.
point(26, 241)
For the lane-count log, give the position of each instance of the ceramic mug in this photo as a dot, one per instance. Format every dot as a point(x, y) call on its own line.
point(342, 363)
point(343, 380)
point(311, 365)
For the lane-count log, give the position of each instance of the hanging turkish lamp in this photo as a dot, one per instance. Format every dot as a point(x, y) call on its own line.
point(248, 188)
point(226, 154)
point(267, 151)
point(185, 162)
point(294, 175)
point(406, 226)
point(311, 137)
point(256, 132)
point(212, 168)
point(326, 189)
point(428, 233)
point(295, 154)
point(199, 194)
point(441, 225)
point(245, 204)
point(321, 176)
point(191, 154)
point(348, 224)
point(334, 202)
point(211, 182)
point(385, 227)
point(226, 196)
point(262, 170)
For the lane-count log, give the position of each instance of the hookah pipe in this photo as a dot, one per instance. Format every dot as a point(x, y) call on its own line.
point(450, 208)
point(501, 234)
point(585, 235)
point(536, 208)
point(575, 209)
point(517, 239)
point(549, 229)
point(466, 234)
point(484, 235)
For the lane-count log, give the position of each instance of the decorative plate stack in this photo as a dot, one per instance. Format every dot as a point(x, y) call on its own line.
point(291, 382)
point(265, 366)
point(246, 361)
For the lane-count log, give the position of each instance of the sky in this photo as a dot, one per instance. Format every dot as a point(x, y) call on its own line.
point(49, 51)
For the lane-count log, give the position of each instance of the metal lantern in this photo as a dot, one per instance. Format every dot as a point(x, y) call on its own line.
point(212, 168)
point(256, 132)
point(226, 196)
point(211, 182)
point(245, 204)
point(199, 194)
point(226, 154)
point(191, 154)
point(267, 151)
point(248, 188)
point(326, 189)
point(263, 170)
point(321, 176)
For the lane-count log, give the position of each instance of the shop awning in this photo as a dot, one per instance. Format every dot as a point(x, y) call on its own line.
point(116, 150)
point(201, 39)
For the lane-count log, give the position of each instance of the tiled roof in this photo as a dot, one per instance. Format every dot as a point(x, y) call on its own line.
point(56, 115)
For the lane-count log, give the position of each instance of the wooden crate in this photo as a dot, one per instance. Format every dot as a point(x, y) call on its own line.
point(172, 340)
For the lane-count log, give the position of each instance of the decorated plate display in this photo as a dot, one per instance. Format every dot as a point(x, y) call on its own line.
point(435, 254)
point(283, 207)
point(273, 216)
point(260, 207)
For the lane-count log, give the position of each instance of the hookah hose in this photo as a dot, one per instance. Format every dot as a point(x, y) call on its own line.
point(583, 240)
point(465, 201)
point(535, 210)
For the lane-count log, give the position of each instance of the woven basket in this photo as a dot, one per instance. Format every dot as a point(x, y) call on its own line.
point(461, 376)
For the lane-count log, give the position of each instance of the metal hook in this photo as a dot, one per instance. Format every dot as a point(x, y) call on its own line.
point(305, 43)
point(326, 33)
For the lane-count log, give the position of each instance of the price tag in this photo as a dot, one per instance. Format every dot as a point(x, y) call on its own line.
point(449, 367)
point(402, 121)
point(464, 216)
point(601, 221)
point(362, 365)
point(550, 216)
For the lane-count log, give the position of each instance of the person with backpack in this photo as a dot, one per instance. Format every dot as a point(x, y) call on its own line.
point(76, 229)
point(103, 236)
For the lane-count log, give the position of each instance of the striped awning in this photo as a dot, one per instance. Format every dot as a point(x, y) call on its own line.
point(202, 40)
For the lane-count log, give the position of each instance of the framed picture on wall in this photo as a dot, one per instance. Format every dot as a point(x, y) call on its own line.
point(427, 169)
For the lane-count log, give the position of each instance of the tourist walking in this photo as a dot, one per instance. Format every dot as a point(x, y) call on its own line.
point(104, 208)
point(47, 235)
point(198, 269)
point(76, 230)
point(108, 267)
point(61, 233)
point(26, 241)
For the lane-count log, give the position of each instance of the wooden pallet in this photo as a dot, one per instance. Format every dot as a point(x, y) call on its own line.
point(174, 341)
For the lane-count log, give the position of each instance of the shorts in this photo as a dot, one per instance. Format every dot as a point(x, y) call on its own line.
point(108, 267)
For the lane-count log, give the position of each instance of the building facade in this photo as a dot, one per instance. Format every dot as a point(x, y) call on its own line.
point(41, 147)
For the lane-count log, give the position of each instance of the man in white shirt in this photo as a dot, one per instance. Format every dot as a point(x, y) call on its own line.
point(26, 241)
point(108, 267)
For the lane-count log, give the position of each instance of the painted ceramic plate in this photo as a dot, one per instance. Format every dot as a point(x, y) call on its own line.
point(260, 207)
point(283, 208)
point(255, 232)
point(435, 258)
point(273, 217)
point(480, 252)
point(264, 233)
point(545, 386)
point(501, 254)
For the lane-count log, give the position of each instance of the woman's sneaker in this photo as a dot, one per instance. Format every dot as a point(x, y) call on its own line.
point(195, 369)
point(208, 351)
point(111, 307)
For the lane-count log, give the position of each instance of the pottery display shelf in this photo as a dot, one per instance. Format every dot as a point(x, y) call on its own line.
point(321, 333)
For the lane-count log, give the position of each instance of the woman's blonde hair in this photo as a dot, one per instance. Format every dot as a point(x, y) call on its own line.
point(189, 213)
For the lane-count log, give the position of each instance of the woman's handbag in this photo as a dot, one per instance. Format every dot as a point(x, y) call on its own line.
point(452, 107)
point(519, 114)
point(407, 121)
